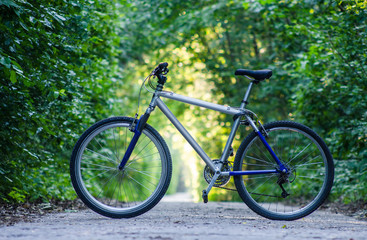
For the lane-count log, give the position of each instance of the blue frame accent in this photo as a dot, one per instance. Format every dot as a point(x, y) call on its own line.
point(131, 146)
point(282, 168)
point(255, 172)
point(272, 153)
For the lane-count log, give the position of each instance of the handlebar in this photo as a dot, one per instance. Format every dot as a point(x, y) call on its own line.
point(161, 69)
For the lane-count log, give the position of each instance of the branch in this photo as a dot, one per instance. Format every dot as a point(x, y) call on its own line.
point(256, 48)
point(229, 45)
point(342, 57)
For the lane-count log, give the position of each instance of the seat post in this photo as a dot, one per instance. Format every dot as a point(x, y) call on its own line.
point(247, 94)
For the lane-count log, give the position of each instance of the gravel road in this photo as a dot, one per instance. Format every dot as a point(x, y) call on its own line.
point(187, 220)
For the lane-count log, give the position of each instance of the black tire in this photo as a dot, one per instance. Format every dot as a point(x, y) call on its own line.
point(307, 157)
point(106, 189)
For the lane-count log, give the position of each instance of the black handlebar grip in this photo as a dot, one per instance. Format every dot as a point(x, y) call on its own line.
point(163, 65)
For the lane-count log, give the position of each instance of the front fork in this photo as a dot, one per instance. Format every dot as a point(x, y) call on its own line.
point(137, 130)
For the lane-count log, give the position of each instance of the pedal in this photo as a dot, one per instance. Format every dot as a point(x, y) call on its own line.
point(205, 196)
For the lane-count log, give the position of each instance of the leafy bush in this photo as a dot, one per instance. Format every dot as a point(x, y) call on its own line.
point(62, 64)
point(58, 69)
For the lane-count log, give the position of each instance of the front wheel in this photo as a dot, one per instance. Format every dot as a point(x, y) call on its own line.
point(120, 193)
point(285, 196)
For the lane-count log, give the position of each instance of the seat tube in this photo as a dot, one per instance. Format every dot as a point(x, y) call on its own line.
point(247, 94)
point(235, 125)
point(229, 142)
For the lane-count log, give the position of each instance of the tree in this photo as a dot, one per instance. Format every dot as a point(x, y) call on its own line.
point(59, 66)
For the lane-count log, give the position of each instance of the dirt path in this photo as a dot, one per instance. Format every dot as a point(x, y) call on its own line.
point(187, 220)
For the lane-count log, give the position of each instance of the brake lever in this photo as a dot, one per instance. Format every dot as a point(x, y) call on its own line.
point(157, 69)
point(165, 71)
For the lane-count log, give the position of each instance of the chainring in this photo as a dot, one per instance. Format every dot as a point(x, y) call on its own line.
point(221, 180)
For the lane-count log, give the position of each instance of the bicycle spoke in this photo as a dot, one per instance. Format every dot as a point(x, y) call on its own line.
point(101, 166)
point(113, 193)
point(302, 162)
point(98, 175)
point(96, 139)
point(114, 140)
point(262, 151)
point(97, 169)
point(308, 164)
point(132, 191)
point(105, 184)
point(260, 160)
point(118, 192)
point(141, 150)
point(140, 184)
point(103, 156)
point(126, 197)
point(309, 177)
point(134, 160)
point(258, 185)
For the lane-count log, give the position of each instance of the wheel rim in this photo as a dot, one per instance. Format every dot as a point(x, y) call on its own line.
point(307, 163)
point(110, 189)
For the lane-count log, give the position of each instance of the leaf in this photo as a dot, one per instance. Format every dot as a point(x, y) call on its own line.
point(17, 194)
point(62, 92)
point(13, 76)
point(47, 23)
point(5, 61)
point(30, 153)
point(60, 19)
point(23, 26)
point(9, 3)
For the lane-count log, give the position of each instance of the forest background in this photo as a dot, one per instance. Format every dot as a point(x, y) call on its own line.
point(65, 64)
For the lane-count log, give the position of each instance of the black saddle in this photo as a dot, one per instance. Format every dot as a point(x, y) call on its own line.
point(258, 75)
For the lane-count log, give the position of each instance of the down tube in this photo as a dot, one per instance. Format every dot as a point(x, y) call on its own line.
point(185, 133)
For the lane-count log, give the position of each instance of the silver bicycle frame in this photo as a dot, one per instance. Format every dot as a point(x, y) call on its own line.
point(200, 103)
point(193, 101)
point(238, 112)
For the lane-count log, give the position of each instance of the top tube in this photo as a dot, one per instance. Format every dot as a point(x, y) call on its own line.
point(201, 103)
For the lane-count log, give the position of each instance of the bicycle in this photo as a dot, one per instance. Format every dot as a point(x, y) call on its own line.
point(121, 167)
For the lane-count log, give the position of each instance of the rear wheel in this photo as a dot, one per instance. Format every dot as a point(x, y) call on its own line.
point(285, 196)
point(120, 193)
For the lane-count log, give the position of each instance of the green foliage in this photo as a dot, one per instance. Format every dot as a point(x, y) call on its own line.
point(64, 64)
point(332, 96)
point(317, 52)
point(350, 184)
point(58, 64)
